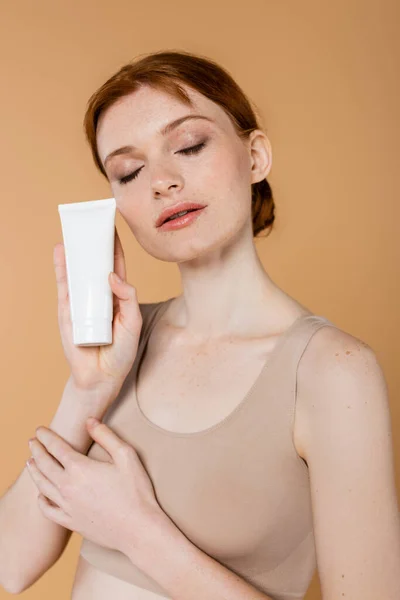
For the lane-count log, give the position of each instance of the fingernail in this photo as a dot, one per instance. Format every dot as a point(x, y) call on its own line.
point(118, 279)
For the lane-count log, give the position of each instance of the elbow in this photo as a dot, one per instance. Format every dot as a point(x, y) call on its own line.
point(19, 581)
point(12, 587)
point(17, 586)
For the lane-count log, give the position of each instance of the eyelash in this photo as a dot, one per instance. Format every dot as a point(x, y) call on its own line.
point(192, 150)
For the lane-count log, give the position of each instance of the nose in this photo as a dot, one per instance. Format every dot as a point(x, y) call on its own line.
point(162, 188)
point(164, 182)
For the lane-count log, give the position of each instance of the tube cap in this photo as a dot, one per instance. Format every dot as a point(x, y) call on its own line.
point(92, 332)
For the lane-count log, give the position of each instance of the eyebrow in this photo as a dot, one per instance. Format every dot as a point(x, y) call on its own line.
point(164, 131)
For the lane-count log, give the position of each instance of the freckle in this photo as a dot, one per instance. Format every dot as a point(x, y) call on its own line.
point(348, 352)
point(336, 353)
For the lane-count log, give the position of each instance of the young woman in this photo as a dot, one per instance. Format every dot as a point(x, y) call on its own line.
point(256, 442)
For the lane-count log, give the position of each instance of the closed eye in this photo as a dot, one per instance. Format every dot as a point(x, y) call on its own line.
point(191, 150)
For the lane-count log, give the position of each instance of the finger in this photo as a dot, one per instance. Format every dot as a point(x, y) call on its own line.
point(57, 447)
point(60, 267)
point(61, 272)
point(109, 440)
point(128, 313)
point(53, 513)
point(43, 484)
point(46, 463)
point(119, 257)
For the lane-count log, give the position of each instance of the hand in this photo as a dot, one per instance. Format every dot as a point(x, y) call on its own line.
point(112, 503)
point(93, 366)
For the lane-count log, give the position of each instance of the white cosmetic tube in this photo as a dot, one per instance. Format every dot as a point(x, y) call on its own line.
point(88, 230)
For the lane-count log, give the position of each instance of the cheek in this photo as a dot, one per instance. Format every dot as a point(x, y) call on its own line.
point(231, 167)
point(216, 177)
point(130, 210)
point(232, 179)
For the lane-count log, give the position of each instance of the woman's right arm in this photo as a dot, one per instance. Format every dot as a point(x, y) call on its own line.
point(29, 543)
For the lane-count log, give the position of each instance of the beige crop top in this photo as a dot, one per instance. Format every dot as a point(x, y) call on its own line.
point(238, 490)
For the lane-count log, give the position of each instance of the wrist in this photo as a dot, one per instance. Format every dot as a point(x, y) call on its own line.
point(102, 393)
point(75, 407)
point(163, 539)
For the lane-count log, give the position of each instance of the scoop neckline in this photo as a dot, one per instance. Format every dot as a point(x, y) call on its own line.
point(244, 401)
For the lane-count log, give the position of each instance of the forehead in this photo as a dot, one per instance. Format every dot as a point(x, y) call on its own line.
point(140, 115)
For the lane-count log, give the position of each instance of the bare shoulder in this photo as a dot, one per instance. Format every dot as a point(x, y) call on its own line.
point(332, 357)
point(329, 347)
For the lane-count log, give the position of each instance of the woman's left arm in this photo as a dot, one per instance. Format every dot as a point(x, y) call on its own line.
point(187, 573)
point(348, 449)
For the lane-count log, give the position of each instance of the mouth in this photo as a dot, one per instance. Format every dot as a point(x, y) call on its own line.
point(181, 220)
point(182, 213)
point(177, 211)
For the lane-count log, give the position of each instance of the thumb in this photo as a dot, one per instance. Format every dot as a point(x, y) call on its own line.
point(105, 437)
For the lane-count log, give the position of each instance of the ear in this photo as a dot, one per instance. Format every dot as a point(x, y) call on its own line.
point(260, 155)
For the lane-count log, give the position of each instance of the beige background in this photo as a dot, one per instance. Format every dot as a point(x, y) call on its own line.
point(325, 78)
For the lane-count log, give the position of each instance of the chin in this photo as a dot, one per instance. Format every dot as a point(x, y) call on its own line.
point(178, 252)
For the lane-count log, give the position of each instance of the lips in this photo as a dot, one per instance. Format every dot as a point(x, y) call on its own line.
point(173, 210)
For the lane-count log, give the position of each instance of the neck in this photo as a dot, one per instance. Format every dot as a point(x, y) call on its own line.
point(226, 292)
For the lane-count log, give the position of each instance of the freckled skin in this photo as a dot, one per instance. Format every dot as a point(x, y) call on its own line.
point(347, 352)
